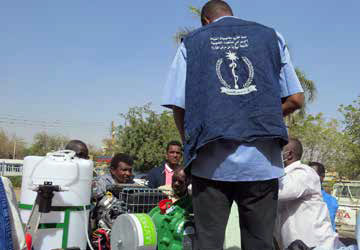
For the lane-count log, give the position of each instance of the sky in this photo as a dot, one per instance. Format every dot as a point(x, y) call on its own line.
point(71, 67)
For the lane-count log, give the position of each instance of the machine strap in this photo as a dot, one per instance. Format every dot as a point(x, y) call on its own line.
point(64, 225)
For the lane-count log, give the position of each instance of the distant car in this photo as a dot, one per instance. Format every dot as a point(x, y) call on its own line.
point(348, 195)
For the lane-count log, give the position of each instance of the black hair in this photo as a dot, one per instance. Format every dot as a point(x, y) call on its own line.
point(173, 143)
point(121, 157)
point(79, 147)
point(318, 167)
point(214, 9)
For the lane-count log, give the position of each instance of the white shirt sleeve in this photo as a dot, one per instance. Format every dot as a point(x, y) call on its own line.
point(293, 185)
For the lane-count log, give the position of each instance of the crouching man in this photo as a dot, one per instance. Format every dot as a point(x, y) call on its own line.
point(302, 213)
point(173, 219)
point(120, 173)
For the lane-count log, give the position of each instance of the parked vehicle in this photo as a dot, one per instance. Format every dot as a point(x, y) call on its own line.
point(348, 195)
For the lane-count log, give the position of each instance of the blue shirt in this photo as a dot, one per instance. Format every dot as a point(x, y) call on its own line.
point(332, 205)
point(225, 160)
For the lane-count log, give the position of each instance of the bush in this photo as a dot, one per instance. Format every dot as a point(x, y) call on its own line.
point(15, 180)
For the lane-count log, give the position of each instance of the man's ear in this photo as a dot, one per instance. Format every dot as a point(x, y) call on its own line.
point(205, 21)
point(291, 154)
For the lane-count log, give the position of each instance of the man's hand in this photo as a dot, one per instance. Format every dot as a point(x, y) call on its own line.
point(179, 115)
point(292, 103)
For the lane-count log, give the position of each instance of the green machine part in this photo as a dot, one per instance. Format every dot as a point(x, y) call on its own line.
point(174, 226)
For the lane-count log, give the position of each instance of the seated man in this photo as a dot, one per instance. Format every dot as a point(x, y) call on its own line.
point(330, 200)
point(79, 147)
point(120, 173)
point(302, 213)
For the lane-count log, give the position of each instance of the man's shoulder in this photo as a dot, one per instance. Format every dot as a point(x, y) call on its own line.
point(157, 169)
point(104, 178)
point(300, 169)
point(328, 197)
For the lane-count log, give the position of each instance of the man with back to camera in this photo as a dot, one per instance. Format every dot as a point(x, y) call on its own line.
point(79, 147)
point(330, 200)
point(302, 213)
point(120, 173)
point(230, 85)
point(162, 175)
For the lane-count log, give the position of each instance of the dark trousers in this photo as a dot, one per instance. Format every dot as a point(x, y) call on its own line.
point(257, 203)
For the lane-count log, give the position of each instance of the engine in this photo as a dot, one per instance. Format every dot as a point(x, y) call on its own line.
point(121, 199)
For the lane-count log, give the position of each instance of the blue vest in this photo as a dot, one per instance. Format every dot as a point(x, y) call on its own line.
point(5, 224)
point(232, 85)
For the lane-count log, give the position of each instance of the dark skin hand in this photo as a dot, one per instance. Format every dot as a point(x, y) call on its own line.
point(292, 103)
point(179, 115)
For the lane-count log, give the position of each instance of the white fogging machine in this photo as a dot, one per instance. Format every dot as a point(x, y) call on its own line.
point(55, 200)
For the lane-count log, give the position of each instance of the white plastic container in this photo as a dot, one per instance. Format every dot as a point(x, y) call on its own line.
point(64, 227)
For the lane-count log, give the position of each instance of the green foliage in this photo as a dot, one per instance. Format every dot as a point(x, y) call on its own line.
point(94, 151)
point(351, 115)
point(145, 135)
point(182, 32)
point(352, 120)
point(322, 140)
point(194, 10)
point(15, 180)
point(45, 143)
point(308, 86)
point(10, 145)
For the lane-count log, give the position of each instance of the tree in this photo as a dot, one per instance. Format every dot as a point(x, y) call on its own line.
point(94, 151)
point(351, 115)
point(45, 143)
point(323, 141)
point(11, 146)
point(144, 135)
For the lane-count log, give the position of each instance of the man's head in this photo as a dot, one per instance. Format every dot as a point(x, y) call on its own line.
point(121, 168)
point(213, 10)
point(319, 168)
point(173, 154)
point(79, 148)
point(180, 182)
point(292, 151)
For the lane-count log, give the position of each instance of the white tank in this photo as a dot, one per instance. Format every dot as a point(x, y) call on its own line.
point(66, 226)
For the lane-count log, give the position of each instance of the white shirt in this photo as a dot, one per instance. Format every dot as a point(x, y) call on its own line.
point(302, 213)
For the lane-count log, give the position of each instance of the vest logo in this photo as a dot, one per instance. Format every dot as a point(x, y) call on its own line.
point(235, 89)
point(223, 43)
